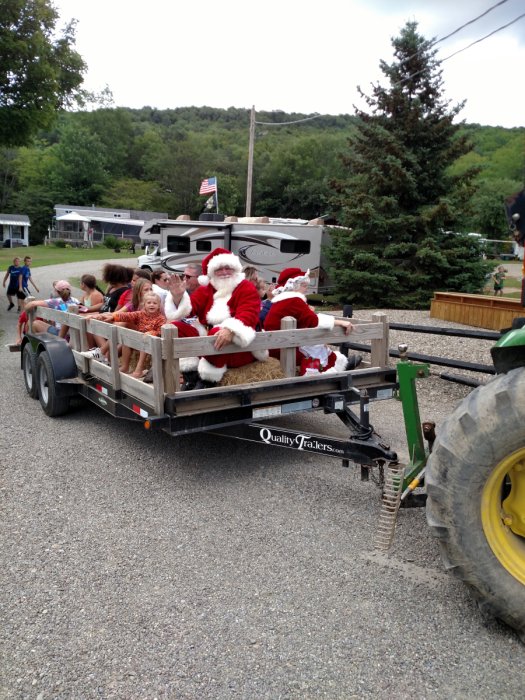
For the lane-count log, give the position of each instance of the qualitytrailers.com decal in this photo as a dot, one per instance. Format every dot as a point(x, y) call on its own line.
point(298, 442)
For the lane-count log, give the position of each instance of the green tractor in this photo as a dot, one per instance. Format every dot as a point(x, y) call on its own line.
point(475, 485)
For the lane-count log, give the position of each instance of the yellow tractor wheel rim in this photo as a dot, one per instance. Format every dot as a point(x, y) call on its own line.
point(503, 515)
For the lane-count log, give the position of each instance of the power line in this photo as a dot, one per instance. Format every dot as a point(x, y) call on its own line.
point(502, 2)
point(297, 121)
point(431, 45)
point(447, 36)
point(442, 60)
point(504, 26)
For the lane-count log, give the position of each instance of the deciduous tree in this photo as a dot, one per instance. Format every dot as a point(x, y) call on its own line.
point(39, 71)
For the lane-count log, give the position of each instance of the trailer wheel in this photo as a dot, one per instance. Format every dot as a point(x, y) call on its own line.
point(52, 404)
point(30, 371)
point(476, 496)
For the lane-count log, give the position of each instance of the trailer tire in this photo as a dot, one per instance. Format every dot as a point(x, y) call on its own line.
point(52, 404)
point(476, 466)
point(29, 368)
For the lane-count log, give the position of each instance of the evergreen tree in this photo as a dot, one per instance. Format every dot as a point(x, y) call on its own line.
point(399, 197)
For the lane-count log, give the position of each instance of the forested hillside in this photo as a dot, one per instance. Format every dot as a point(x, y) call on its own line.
point(151, 159)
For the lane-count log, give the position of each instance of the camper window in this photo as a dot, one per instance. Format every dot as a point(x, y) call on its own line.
point(204, 246)
point(291, 246)
point(178, 244)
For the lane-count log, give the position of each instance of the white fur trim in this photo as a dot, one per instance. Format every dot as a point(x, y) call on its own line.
point(188, 364)
point(174, 312)
point(209, 372)
point(284, 296)
point(202, 330)
point(242, 335)
point(219, 310)
point(290, 284)
point(325, 321)
point(203, 280)
point(224, 260)
point(340, 362)
point(261, 355)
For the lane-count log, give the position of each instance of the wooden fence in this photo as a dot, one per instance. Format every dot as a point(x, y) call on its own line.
point(494, 313)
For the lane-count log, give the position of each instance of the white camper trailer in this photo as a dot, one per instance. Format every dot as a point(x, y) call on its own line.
point(269, 245)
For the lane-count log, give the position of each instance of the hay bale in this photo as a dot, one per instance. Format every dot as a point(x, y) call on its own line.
point(254, 372)
point(135, 358)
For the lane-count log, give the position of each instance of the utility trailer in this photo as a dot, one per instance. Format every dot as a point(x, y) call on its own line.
point(475, 478)
point(55, 371)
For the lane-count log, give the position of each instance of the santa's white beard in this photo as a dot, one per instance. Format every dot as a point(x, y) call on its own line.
point(226, 285)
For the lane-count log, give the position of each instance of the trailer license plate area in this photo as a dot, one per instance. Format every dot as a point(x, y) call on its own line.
point(267, 411)
point(384, 393)
point(270, 411)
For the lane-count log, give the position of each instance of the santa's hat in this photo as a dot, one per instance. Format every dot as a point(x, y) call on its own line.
point(220, 257)
point(289, 277)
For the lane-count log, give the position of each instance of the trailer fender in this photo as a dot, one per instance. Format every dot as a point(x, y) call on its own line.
point(60, 356)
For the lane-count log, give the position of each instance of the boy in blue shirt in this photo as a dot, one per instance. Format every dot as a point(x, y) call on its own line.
point(26, 276)
point(14, 288)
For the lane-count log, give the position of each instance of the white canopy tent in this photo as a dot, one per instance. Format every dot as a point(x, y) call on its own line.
point(73, 216)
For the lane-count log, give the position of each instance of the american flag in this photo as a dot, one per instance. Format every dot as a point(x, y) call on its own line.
point(208, 186)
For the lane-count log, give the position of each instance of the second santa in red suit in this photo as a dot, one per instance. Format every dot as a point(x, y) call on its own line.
point(289, 299)
point(227, 307)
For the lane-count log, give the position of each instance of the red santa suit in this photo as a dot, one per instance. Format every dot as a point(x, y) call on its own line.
point(233, 304)
point(288, 302)
point(189, 327)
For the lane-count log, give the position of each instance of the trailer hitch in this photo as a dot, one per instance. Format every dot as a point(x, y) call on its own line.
point(361, 451)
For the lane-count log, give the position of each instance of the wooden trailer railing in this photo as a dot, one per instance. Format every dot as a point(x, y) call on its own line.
point(166, 351)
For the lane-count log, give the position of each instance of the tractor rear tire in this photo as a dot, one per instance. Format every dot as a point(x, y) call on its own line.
point(477, 464)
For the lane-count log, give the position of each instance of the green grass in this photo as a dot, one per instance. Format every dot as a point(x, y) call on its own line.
point(49, 255)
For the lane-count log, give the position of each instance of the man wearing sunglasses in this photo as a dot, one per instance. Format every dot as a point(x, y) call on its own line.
point(191, 275)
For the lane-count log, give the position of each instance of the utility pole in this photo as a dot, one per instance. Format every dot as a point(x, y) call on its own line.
point(249, 179)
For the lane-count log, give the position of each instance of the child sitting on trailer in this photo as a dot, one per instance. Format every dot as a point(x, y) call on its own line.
point(149, 320)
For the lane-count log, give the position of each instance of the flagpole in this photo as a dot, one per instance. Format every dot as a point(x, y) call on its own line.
point(249, 178)
point(216, 196)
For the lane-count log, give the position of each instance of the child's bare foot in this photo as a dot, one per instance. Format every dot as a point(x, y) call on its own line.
point(137, 374)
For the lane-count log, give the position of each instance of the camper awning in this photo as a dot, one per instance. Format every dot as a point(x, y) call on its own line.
point(73, 216)
point(116, 221)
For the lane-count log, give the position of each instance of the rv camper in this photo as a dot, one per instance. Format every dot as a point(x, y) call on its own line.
point(269, 245)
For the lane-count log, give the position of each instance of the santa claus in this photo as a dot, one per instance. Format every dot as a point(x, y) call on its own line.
point(226, 306)
point(289, 299)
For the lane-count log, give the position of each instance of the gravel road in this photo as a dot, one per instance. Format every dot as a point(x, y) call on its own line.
point(137, 566)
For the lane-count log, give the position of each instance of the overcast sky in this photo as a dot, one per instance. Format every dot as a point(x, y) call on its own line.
point(293, 55)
